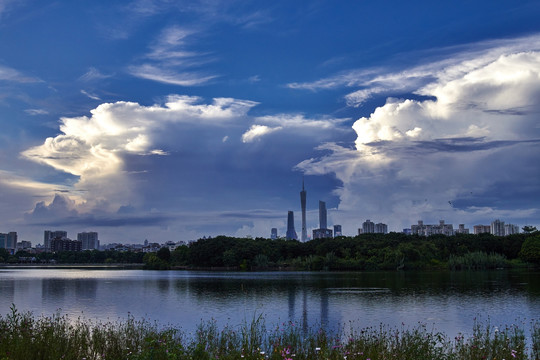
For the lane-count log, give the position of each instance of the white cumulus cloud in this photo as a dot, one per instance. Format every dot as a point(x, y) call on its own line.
point(417, 159)
point(257, 131)
point(95, 148)
point(294, 123)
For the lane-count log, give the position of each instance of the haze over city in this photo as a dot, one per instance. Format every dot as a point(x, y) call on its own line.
point(173, 120)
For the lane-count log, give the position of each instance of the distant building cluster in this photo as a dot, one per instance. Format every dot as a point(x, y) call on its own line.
point(9, 241)
point(497, 227)
point(57, 241)
point(146, 247)
point(440, 228)
point(369, 227)
point(322, 231)
point(54, 241)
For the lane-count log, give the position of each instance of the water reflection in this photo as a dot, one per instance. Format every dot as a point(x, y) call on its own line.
point(448, 300)
point(53, 290)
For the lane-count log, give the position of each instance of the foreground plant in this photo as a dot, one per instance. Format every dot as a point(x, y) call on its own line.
point(24, 336)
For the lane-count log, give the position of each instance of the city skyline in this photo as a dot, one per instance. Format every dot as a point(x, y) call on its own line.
point(90, 241)
point(160, 120)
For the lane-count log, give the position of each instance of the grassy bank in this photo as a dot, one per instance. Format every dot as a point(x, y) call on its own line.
point(24, 336)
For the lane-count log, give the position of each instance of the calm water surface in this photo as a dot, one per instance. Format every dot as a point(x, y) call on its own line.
point(447, 301)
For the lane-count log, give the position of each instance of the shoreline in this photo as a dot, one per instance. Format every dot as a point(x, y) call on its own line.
point(74, 266)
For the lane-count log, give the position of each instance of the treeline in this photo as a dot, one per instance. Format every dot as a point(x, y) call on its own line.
point(394, 251)
point(74, 257)
point(364, 252)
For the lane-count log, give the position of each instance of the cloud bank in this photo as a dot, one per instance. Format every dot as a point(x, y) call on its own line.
point(451, 156)
point(443, 64)
point(96, 148)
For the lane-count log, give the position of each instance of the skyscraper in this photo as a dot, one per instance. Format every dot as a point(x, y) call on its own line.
point(323, 231)
point(322, 215)
point(291, 233)
point(303, 204)
point(89, 240)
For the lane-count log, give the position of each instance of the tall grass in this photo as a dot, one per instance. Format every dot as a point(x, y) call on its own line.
point(477, 261)
point(24, 336)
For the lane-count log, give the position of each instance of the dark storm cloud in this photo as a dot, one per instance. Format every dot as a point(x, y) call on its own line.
point(254, 214)
point(452, 145)
point(107, 221)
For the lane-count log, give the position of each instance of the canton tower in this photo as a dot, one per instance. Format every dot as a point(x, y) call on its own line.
point(303, 203)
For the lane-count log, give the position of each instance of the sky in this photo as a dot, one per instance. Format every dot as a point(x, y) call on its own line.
point(173, 120)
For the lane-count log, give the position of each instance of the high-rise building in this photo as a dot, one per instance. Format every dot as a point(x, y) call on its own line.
point(273, 234)
point(428, 230)
point(64, 244)
point(337, 230)
point(510, 229)
point(303, 205)
point(497, 228)
point(323, 231)
point(461, 229)
point(381, 228)
point(480, 229)
point(3, 241)
point(291, 233)
point(322, 215)
point(23, 245)
point(368, 226)
point(11, 242)
point(49, 235)
point(89, 240)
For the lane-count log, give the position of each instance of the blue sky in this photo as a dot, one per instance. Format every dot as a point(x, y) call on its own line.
point(172, 120)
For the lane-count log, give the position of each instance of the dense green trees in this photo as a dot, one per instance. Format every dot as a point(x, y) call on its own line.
point(530, 251)
point(83, 257)
point(365, 252)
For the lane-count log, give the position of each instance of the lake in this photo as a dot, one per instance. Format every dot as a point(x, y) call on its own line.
point(445, 301)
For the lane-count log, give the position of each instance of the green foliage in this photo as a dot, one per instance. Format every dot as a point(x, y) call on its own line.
point(261, 261)
point(529, 229)
point(4, 254)
point(153, 262)
point(90, 257)
point(164, 254)
point(180, 255)
point(24, 336)
point(365, 252)
point(530, 250)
